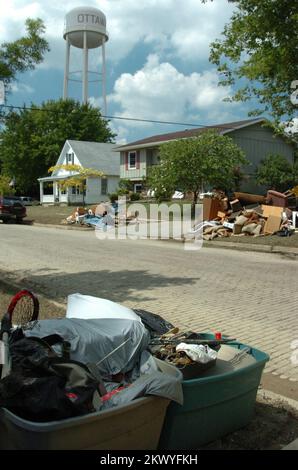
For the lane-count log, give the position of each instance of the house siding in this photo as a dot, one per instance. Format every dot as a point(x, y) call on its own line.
point(257, 142)
point(93, 191)
point(135, 174)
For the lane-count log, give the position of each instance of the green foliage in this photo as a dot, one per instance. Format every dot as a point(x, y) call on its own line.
point(5, 188)
point(113, 197)
point(24, 53)
point(188, 164)
point(135, 196)
point(275, 172)
point(259, 45)
point(124, 187)
point(125, 184)
point(33, 138)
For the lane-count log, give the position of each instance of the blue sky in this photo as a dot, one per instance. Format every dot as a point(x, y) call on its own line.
point(157, 61)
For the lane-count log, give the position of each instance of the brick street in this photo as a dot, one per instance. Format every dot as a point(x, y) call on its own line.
point(250, 296)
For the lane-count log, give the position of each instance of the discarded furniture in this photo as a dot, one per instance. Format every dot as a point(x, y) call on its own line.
point(287, 199)
point(246, 198)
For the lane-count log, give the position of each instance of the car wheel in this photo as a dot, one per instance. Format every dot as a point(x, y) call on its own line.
point(19, 220)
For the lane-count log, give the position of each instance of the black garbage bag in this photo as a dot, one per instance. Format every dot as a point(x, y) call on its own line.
point(43, 386)
point(154, 323)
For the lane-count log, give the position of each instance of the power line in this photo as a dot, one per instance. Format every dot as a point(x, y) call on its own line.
point(123, 118)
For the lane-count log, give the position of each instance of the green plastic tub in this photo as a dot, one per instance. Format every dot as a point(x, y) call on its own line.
point(220, 401)
point(135, 426)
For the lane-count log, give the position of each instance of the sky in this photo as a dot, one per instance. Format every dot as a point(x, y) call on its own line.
point(157, 62)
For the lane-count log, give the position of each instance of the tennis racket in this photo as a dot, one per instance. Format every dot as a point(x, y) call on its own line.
point(23, 308)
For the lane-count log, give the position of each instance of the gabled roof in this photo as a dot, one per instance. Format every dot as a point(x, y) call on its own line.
point(97, 155)
point(221, 128)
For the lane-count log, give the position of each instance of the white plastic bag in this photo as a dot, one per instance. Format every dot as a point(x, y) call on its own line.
point(198, 352)
point(88, 307)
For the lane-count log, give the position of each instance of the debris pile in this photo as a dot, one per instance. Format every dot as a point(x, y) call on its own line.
point(101, 215)
point(248, 215)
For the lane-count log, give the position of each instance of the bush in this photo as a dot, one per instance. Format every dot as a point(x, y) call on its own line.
point(113, 197)
point(135, 196)
point(275, 172)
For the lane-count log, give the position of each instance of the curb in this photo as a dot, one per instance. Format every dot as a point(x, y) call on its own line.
point(276, 396)
point(63, 227)
point(252, 247)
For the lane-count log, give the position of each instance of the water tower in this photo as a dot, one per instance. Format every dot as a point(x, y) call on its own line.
point(85, 28)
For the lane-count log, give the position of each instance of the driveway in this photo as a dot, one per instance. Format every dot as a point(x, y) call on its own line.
point(250, 296)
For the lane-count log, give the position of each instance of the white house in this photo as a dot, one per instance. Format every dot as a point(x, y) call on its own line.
point(94, 155)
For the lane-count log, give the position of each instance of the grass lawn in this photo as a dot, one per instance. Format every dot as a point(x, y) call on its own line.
point(48, 214)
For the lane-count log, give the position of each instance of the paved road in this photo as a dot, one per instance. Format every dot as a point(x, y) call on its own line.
point(251, 296)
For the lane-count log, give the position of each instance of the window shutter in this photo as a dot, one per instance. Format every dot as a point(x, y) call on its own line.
point(126, 160)
point(138, 160)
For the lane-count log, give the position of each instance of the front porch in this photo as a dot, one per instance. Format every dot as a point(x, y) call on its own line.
point(52, 193)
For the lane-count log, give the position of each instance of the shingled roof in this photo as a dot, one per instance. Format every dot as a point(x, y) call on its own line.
point(221, 128)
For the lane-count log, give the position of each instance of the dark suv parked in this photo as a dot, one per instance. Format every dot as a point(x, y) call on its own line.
point(11, 208)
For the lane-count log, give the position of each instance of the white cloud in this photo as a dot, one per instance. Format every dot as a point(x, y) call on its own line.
point(21, 88)
point(159, 91)
point(178, 29)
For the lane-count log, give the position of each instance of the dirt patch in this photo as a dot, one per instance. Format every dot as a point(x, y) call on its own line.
point(47, 308)
point(274, 425)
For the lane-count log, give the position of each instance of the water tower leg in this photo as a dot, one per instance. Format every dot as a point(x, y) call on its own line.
point(66, 70)
point(104, 94)
point(85, 70)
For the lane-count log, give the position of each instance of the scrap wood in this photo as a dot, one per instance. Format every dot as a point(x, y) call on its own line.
point(272, 224)
point(272, 210)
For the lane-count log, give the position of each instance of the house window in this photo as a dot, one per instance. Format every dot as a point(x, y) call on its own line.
point(132, 157)
point(104, 186)
point(70, 158)
point(138, 188)
point(75, 190)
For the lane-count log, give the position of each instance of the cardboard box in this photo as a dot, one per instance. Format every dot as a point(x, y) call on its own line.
point(237, 229)
point(272, 224)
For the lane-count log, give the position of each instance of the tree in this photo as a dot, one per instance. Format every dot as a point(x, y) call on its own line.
point(24, 53)
point(260, 48)
point(78, 176)
point(275, 172)
point(188, 164)
point(33, 138)
point(5, 187)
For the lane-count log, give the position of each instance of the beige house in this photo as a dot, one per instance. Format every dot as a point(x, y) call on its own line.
point(255, 140)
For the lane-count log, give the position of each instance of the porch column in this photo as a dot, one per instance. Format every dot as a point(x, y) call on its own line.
point(55, 192)
point(41, 191)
